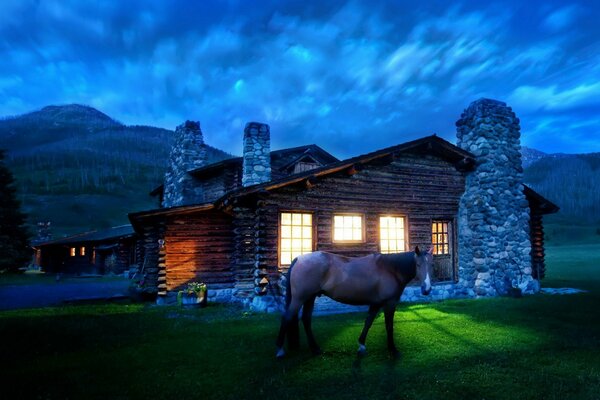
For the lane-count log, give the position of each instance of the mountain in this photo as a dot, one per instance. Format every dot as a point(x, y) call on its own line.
point(81, 169)
point(530, 156)
point(572, 181)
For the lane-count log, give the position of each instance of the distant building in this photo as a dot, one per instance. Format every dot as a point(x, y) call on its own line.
point(104, 251)
point(237, 224)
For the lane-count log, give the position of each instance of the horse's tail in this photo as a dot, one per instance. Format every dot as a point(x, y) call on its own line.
point(293, 328)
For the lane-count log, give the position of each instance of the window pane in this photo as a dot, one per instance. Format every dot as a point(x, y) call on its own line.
point(347, 234)
point(296, 219)
point(307, 219)
point(296, 231)
point(307, 232)
point(391, 234)
point(347, 228)
point(296, 244)
point(306, 245)
point(296, 236)
point(286, 258)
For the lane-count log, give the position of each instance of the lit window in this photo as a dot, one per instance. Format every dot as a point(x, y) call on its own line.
point(439, 237)
point(73, 251)
point(82, 251)
point(392, 234)
point(348, 228)
point(295, 236)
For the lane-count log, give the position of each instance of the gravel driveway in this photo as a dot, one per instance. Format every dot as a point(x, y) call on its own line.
point(56, 293)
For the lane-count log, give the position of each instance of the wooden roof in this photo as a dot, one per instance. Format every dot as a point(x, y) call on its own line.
point(279, 160)
point(429, 144)
point(462, 159)
point(103, 235)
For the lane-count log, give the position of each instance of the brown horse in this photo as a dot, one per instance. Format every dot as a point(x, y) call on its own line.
point(377, 280)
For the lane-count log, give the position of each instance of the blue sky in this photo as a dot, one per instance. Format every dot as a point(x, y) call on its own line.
point(349, 75)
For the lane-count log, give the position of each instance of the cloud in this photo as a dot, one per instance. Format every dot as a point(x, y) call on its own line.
point(332, 73)
point(551, 98)
point(562, 18)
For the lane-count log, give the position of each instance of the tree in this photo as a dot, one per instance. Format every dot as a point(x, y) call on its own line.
point(14, 238)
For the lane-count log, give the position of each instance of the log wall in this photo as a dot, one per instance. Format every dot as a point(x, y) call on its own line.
point(537, 247)
point(198, 248)
point(419, 187)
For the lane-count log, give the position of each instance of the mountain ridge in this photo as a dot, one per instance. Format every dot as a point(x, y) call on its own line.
point(82, 169)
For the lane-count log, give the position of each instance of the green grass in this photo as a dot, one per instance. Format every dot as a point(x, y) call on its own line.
point(537, 347)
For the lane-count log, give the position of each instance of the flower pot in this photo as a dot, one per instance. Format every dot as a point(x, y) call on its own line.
point(194, 300)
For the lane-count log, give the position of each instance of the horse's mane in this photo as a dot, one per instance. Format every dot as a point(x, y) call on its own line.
point(403, 262)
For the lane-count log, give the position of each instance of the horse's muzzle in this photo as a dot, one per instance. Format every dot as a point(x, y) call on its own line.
point(425, 291)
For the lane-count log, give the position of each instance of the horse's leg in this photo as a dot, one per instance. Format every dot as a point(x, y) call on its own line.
point(288, 320)
point(307, 311)
point(389, 310)
point(373, 310)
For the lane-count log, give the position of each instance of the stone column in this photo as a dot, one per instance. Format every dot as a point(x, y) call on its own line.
point(494, 245)
point(188, 153)
point(257, 154)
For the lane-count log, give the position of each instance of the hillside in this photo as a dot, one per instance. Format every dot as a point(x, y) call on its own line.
point(572, 181)
point(81, 169)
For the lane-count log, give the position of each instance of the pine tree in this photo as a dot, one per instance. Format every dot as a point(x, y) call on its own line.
point(14, 248)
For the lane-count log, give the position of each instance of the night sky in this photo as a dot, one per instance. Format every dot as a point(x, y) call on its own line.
point(350, 76)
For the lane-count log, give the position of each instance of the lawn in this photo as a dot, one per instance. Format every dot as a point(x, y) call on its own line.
point(537, 347)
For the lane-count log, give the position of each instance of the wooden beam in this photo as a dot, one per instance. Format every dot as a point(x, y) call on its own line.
point(354, 169)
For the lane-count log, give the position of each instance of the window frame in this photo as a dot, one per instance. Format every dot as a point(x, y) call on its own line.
point(363, 229)
point(406, 235)
point(447, 234)
point(279, 236)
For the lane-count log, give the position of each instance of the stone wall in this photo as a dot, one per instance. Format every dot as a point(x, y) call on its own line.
point(257, 154)
point(494, 247)
point(188, 153)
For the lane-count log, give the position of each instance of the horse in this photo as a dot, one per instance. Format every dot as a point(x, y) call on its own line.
point(376, 280)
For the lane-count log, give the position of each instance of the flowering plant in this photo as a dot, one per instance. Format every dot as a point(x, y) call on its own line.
point(195, 288)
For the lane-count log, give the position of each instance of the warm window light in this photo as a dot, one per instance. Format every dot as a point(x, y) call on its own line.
point(347, 228)
point(392, 234)
point(72, 252)
point(439, 237)
point(295, 236)
point(82, 251)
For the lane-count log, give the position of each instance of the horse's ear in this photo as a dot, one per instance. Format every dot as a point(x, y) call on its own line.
point(417, 251)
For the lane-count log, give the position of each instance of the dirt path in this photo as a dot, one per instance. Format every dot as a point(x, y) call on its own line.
point(56, 293)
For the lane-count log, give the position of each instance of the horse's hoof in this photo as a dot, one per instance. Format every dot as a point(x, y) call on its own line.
point(362, 350)
point(280, 353)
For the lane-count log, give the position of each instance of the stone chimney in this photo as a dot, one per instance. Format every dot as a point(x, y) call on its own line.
point(188, 153)
point(257, 154)
point(493, 240)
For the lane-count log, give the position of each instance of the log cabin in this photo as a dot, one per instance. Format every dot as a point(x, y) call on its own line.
point(105, 251)
point(237, 224)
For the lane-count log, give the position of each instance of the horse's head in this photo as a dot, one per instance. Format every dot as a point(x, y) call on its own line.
point(424, 261)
